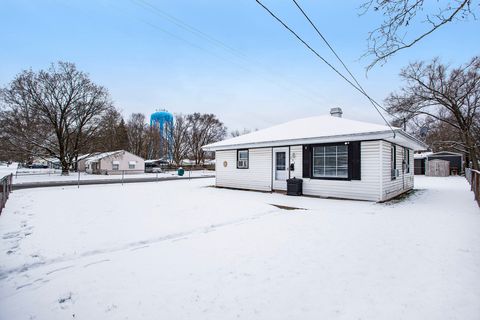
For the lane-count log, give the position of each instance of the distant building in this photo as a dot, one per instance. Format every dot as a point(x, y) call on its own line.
point(421, 161)
point(114, 162)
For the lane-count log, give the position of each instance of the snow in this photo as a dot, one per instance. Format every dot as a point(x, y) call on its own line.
point(185, 250)
point(45, 175)
point(5, 169)
point(312, 127)
point(99, 156)
point(422, 155)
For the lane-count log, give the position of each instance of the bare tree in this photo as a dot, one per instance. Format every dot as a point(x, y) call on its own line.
point(204, 129)
point(122, 136)
point(394, 34)
point(108, 131)
point(437, 93)
point(136, 129)
point(180, 146)
point(53, 113)
point(237, 133)
point(152, 143)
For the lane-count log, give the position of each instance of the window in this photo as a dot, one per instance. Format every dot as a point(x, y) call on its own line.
point(330, 161)
point(280, 163)
point(393, 161)
point(115, 165)
point(242, 159)
point(406, 160)
point(131, 164)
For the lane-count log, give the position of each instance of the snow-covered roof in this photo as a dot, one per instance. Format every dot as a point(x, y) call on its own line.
point(446, 153)
point(422, 155)
point(319, 129)
point(99, 156)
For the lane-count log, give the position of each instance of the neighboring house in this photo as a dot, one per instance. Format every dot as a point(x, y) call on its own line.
point(81, 161)
point(455, 159)
point(335, 157)
point(419, 160)
point(115, 162)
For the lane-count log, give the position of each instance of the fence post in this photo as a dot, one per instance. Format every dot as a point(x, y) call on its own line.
point(123, 172)
point(78, 182)
point(477, 187)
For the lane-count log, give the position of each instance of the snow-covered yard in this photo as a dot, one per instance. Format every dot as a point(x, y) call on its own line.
point(185, 250)
point(45, 175)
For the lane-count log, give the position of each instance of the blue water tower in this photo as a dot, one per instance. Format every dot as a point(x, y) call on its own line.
point(163, 121)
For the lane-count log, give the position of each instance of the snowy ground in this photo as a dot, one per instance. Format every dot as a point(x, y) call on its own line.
point(43, 175)
point(184, 250)
point(7, 169)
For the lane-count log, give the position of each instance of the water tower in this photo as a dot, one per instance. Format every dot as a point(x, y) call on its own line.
point(163, 121)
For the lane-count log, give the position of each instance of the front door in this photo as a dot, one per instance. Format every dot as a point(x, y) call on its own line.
point(280, 168)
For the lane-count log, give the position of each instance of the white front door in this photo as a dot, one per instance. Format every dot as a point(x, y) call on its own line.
point(280, 168)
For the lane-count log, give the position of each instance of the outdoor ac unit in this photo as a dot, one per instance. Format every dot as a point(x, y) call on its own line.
point(395, 173)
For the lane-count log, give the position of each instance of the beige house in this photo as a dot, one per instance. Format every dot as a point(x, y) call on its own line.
point(114, 162)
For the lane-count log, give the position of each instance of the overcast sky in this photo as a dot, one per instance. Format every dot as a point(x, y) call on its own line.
point(224, 57)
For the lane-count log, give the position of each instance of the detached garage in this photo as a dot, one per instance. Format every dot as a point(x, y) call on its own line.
point(455, 160)
point(335, 157)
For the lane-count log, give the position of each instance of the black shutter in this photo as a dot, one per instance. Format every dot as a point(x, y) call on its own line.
point(354, 161)
point(307, 161)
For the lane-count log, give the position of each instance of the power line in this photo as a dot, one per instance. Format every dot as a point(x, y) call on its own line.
point(267, 73)
point(325, 61)
point(338, 57)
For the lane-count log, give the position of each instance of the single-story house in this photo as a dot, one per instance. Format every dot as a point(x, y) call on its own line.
point(114, 162)
point(422, 159)
point(335, 157)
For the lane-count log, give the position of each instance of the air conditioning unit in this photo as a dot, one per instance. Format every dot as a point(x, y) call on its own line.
point(395, 173)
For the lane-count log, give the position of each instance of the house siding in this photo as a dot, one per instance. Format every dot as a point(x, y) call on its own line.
point(404, 182)
point(368, 188)
point(375, 183)
point(106, 164)
point(258, 176)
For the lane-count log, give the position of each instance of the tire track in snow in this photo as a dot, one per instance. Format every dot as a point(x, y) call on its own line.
point(133, 245)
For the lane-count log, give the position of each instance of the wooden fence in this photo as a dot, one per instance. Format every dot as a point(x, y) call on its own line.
point(473, 177)
point(5, 189)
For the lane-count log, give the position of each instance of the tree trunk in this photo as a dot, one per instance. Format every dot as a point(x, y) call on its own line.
point(65, 167)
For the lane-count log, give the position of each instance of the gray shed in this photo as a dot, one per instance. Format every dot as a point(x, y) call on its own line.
point(438, 168)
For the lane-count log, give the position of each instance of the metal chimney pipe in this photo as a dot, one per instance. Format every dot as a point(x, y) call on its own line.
point(336, 112)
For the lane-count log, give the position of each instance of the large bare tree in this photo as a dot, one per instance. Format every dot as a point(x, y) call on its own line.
point(180, 146)
point(407, 22)
point(204, 129)
point(53, 113)
point(437, 93)
point(136, 129)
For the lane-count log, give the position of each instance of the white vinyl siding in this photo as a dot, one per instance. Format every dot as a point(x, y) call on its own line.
point(258, 175)
point(296, 158)
point(375, 183)
point(368, 188)
point(404, 180)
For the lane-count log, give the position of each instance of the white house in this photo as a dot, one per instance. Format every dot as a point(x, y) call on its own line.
point(114, 162)
point(335, 157)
